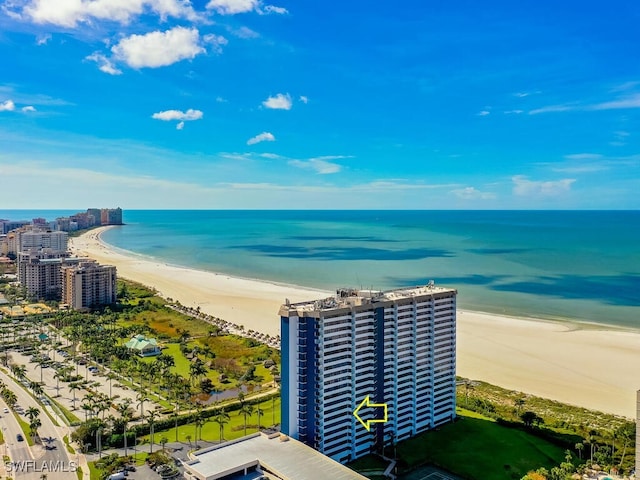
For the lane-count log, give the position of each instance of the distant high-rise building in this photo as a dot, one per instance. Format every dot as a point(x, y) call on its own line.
point(6, 225)
point(395, 348)
point(33, 238)
point(39, 271)
point(111, 216)
point(95, 216)
point(87, 284)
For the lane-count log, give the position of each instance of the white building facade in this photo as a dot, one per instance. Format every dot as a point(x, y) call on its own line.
point(397, 348)
point(88, 284)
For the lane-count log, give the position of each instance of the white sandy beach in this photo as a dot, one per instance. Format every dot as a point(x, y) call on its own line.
point(591, 367)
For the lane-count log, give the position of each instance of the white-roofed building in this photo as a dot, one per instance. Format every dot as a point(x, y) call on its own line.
point(269, 455)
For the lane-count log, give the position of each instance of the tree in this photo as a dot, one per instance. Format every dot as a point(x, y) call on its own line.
point(141, 397)
point(152, 416)
point(625, 433)
point(530, 419)
point(174, 416)
point(579, 448)
point(34, 425)
point(73, 387)
point(111, 376)
point(36, 388)
point(163, 442)
point(221, 419)
point(32, 413)
point(519, 402)
point(245, 410)
point(259, 412)
point(125, 416)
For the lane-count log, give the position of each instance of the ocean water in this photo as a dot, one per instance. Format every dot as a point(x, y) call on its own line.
point(565, 265)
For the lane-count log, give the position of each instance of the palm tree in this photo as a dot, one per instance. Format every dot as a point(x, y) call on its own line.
point(58, 375)
point(151, 418)
point(245, 409)
point(259, 412)
point(174, 415)
point(518, 402)
point(73, 387)
point(19, 371)
point(125, 416)
point(197, 369)
point(111, 376)
point(9, 397)
point(221, 419)
point(36, 388)
point(34, 425)
point(32, 413)
point(141, 397)
point(163, 442)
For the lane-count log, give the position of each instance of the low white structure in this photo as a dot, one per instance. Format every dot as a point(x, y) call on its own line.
point(269, 455)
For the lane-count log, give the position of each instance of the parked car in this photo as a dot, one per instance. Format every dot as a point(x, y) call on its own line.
point(19, 437)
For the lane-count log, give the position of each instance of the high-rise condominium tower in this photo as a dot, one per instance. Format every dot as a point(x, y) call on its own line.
point(398, 348)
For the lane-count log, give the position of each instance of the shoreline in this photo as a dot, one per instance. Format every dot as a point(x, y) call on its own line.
point(582, 363)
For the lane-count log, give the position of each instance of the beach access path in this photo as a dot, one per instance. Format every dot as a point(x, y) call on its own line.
point(593, 366)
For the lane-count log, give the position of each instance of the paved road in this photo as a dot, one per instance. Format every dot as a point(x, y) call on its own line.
point(37, 459)
point(66, 395)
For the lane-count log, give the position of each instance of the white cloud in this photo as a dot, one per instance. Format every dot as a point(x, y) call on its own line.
point(271, 156)
point(632, 101)
point(68, 13)
point(221, 100)
point(243, 32)
point(231, 7)
point(513, 112)
point(304, 99)
point(552, 108)
point(279, 102)
point(104, 64)
point(159, 49)
point(180, 125)
point(28, 108)
point(262, 137)
point(169, 115)
point(273, 9)
point(525, 94)
point(7, 106)
point(583, 156)
point(470, 193)
point(216, 42)
point(522, 186)
point(30, 99)
point(43, 39)
point(320, 165)
point(483, 113)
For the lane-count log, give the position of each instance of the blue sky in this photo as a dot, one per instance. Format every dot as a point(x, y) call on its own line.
point(253, 104)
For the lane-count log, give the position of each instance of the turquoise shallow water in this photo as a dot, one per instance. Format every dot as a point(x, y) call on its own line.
point(575, 265)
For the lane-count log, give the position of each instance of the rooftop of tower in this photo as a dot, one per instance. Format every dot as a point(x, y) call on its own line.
point(346, 298)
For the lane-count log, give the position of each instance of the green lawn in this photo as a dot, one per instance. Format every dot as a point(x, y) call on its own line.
point(25, 429)
point(71, 418)
point(232, 430)
point(476, 447)
point(227, 345)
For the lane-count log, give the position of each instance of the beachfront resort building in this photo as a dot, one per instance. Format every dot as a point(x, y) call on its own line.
point(143, 346)
point(266, 454)
point(365, 349)
point(87, 284)
point(39, 272)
